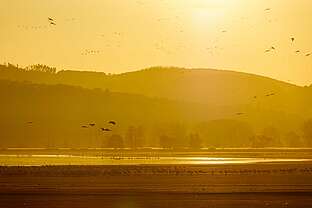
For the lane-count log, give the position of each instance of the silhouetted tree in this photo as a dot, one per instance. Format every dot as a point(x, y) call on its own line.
point(195, 141)
point(41, 68)
point(307, 132)
point(165, 141)
point(260, 141)
point(115, 141)
point(274, 135)
point(134, 137)
point(292, 139)
point(131, 137)
point(225, 133)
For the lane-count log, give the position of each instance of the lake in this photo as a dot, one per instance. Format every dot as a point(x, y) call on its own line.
point(38, 160)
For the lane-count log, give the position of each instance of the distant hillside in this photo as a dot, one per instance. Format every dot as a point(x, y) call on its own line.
point(207, 86)
point(222, 108)
point(36, 115)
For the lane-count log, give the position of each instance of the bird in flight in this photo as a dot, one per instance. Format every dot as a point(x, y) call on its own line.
point(92, 124)
point(105, 129)
point(271, 94)
point(51, 20)
point(270, 49)
point(308, 54)
point(297, 51)
point(112, 122)
point(267, 9)
point(84, 126)
point(238, 114)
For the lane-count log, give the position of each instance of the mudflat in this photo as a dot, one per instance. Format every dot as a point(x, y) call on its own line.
point(238, 178)
point(280, 182)
point(240, 185)
point(130, 200)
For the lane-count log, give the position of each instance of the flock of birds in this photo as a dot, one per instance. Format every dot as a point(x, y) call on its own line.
point(90, 125)
point(256, 97)
point(101, 128)
point(51, 22)
point(91, 52)
point(292, 39)
point(161, 45)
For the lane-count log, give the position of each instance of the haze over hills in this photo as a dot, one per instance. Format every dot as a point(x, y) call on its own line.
point(222, 108)
point(194, 85)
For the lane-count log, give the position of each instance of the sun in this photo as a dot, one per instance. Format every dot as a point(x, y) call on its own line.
point(207, 18)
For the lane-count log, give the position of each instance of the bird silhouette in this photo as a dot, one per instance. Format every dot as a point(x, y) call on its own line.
point(308, 54)
point(292, 39)
point(271, 94)
point(84, 126)
point(112, 122)
point(272, 47)
point(267, 9)
point(92, 124)
point(50, 19)
point(52, 23)
point(297, 51)
point(105, 129)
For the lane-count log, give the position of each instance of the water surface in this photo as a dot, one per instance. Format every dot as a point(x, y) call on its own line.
point(38, 160)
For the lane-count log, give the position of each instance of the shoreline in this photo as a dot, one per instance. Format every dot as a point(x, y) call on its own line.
point(242, 178)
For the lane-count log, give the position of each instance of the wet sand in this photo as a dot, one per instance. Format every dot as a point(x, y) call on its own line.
point(217, 186)
point(283, 183)
point(237, 178)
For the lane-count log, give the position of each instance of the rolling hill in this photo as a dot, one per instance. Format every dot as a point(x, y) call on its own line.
point(225, 108)
point(208, 86)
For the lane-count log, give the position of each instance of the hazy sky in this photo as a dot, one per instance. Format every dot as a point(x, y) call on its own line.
point(127, 35)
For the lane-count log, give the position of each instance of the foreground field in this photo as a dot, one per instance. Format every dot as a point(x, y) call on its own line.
point(219, 186)
point(250, 200)
point(277, 182)
point(272, 177)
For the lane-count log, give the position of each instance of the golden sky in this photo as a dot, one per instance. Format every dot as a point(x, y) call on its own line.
point(124, 35)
